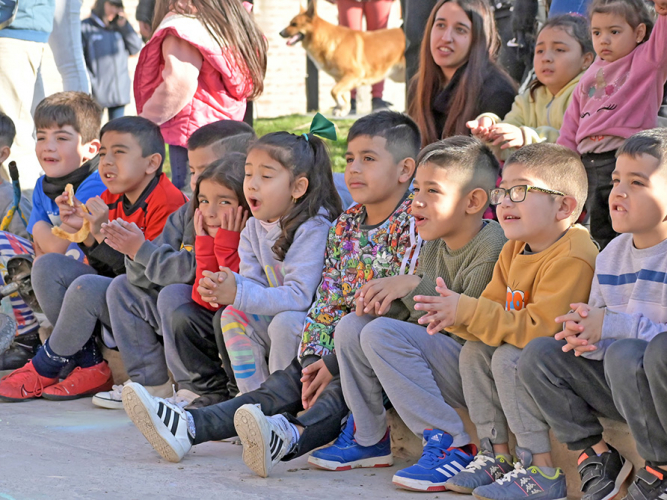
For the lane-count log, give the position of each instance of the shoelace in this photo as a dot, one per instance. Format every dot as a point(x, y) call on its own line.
point(23, 372)
point(117, 390)
point(346, 438)
point(479, 463)
point(510, 476)
point(432, 454)
point(177, 400)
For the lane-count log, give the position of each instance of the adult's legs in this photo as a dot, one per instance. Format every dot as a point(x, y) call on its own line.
point(350, 15)
point(628, 363)
point(570, 391)
point(116, 112)
point(20, 63)
point(65, 43)
point(178, 159)
point(598, 170)
point(377, 18)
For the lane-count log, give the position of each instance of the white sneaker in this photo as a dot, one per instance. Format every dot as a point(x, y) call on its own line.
point(110, 400)
point(164, 425)
point(265, 440)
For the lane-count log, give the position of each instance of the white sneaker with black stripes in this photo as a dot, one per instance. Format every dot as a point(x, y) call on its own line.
point(265, 440)
point(163, 424)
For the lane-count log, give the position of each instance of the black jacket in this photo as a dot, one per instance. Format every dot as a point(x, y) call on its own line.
point(496, 97)
point(106, 50)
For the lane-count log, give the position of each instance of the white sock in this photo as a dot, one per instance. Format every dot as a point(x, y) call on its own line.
point(191, 425)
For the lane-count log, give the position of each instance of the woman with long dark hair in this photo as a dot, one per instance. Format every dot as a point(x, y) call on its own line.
point(458, 77)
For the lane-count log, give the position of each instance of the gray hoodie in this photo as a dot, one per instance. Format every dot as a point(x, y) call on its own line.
point(169, 258)
point(266, 286)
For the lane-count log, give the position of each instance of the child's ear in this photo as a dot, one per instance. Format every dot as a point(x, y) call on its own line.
point(407, 171)
point(4, 153)
point(567, 207)
point(91, 149)
point(154, 162)
point(587, 60)
point(300, 187)
point(641, 32)
point(477, 200)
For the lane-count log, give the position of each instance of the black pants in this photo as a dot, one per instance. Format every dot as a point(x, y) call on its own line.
point(279, 394)
point(415, 15)
point(195, 337)
point(598, 170)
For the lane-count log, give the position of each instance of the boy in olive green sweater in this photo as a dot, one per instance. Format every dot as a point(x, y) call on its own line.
point(419, 372)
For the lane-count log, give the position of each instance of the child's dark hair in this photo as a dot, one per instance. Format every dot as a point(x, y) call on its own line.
point(76, 109)
point(400, 131)
point(7, 130)
point(470, 160)
point(651, 142)
point(304, 156)
point(635, 12)
point(146, 133)
point(574, 25)
point(225, 136)
point(228, 171)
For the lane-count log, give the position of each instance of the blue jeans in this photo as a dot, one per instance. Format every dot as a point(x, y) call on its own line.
point(178, 158)
point(559, 7)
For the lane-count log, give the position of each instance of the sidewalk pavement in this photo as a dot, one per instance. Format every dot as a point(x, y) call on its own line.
point(73, 450)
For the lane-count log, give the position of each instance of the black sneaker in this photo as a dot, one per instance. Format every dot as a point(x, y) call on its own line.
point(20, 351)
point(353, 107)
point(379, 104)
point(602, 476)
point(649, 484)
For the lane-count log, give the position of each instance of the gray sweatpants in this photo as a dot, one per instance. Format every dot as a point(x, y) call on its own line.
point(419, 373)
point(73, 298)
point(570, 391)
point(497, 399)
point(636, 372)
point(138, 317)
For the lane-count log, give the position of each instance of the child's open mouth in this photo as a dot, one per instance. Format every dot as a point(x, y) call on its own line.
point(109, 176)
point(419, 220)
point(254, 203)
point(510, 217)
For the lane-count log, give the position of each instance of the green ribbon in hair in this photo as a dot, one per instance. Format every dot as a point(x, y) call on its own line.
point(322, 127)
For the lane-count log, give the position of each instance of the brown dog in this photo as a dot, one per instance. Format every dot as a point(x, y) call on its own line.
point(352, 58)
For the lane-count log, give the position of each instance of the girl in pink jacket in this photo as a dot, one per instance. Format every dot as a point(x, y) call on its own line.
point(204, 60)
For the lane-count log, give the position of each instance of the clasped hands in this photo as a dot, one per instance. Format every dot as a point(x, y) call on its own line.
point(582, 328)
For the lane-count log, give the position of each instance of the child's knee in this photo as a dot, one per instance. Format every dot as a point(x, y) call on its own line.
point(286, 326)
point(42, 268)
point(118, 288)
point(504, 361)
point(628, 353)
point(348, 332)
point(655, 359)
point(474, 353)
point(538, 356)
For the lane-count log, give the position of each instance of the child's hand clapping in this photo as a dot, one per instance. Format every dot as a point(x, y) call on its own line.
point(582, 328)
point(376, 296)
point(441, 311)
point(123, 236)
point(219, 288)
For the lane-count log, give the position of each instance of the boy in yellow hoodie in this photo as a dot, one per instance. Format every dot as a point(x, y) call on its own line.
point(546, 264)
point(563, 51)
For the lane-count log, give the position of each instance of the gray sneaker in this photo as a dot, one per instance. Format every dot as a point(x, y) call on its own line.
point(483, 470)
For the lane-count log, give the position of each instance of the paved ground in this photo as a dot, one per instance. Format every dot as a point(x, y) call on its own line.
point(57, 450)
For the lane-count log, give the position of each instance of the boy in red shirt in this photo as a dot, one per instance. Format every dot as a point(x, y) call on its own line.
point(73, 294)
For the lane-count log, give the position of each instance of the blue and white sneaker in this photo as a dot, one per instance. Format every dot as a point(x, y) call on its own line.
point(525, 481)
point(345, 453)
point(439, 462)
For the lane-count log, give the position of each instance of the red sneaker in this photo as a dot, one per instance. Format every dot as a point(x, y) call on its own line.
point(81, 382)
point(24, 383)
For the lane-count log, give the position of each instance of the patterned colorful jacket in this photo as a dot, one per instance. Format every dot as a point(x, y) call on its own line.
point(356, 254)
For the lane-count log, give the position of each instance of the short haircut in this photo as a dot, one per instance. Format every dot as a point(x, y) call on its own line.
point(558, 167)
point(651, 142)
point(226, 136)
point(399, 130)
point(7, 130)
point(146, 133)
point(76, 109)
point(473, 163)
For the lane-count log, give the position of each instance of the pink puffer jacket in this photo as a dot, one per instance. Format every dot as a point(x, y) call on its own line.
point(222, 88)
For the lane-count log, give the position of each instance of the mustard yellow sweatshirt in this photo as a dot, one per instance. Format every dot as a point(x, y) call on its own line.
point(528, 291)
point(539, 118)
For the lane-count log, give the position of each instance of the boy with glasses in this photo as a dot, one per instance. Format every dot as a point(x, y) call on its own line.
point(547, 264)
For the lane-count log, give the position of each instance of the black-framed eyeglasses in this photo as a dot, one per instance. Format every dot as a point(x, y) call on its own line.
point(517, 193)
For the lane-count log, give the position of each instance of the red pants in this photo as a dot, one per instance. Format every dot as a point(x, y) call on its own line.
point(351, 13)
